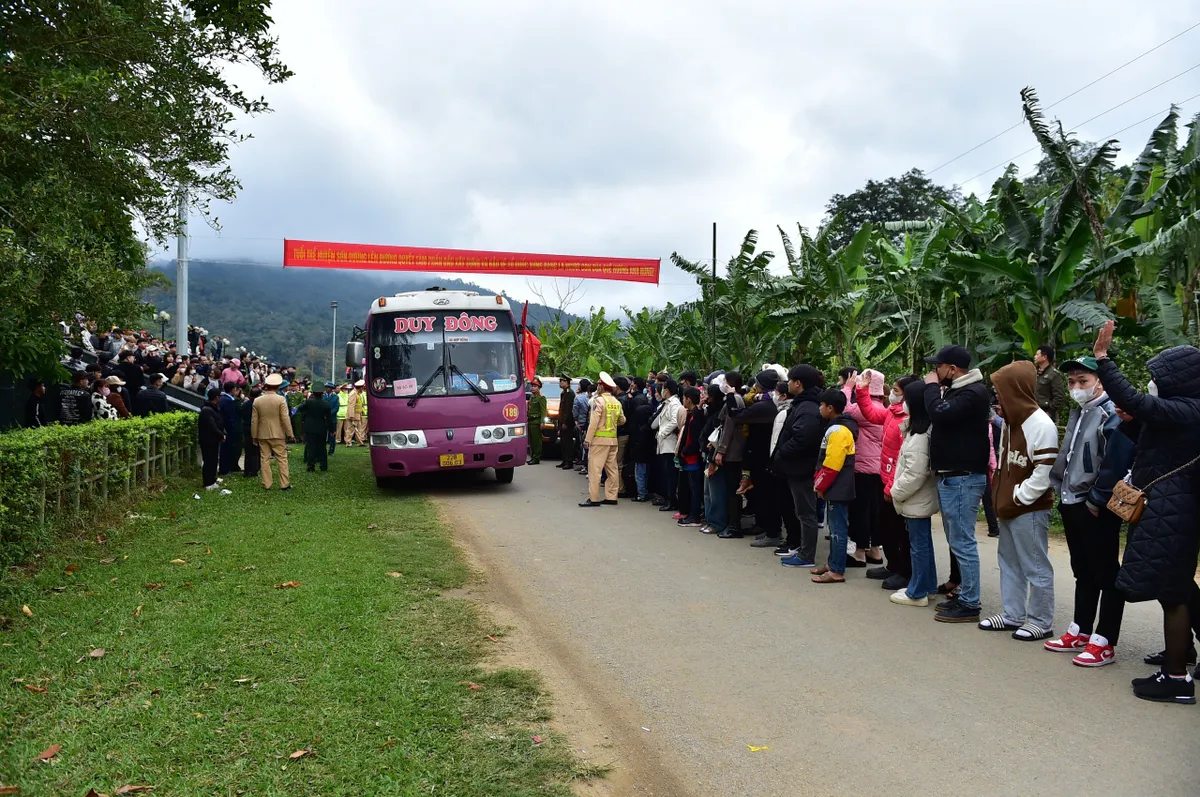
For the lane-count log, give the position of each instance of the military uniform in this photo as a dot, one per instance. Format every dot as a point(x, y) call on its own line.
point(317, 419)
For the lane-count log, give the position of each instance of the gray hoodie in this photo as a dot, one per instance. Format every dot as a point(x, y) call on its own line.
point(1083, 447)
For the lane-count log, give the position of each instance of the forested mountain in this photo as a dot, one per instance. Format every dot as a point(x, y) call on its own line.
point(283, 313)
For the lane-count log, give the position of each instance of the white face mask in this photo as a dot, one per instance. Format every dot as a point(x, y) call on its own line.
point(894, 399)
point(1082, 395)
point(1152, 389)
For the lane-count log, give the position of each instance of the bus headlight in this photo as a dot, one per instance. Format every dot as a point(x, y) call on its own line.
point(486, 434)
point(405, 439)
point(498, 433)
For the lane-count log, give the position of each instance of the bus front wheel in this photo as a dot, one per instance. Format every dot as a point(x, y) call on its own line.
point(504, 475)
point(383, 482)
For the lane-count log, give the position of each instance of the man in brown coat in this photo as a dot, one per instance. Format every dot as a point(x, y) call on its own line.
point(270, 425)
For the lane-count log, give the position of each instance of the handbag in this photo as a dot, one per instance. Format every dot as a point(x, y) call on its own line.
point(1128, 502)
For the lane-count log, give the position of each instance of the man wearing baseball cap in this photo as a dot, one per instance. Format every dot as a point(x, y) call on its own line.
point(601, 442)
point(959, 408)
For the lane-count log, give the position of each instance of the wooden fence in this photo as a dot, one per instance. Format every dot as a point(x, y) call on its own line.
point(157, 458)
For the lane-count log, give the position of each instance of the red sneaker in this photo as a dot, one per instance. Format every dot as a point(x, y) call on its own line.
point(1067, 643)
point(1095, 656)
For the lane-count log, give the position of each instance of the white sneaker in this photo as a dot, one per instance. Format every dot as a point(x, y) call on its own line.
point(900, 596)
point(212, 487)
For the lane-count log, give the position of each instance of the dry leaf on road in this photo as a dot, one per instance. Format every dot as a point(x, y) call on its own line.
point(138, 611)
point(133, 789)
point(49, 752)
point(300, 754)
point(98, 653)
point(37, 690)
point(287, 585)
point(178, 561)
point(71, 568)
point(25, 610)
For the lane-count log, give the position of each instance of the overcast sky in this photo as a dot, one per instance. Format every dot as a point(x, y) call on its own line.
point(628, 128)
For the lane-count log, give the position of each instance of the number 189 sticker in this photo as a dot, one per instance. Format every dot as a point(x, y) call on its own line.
point(511, 413)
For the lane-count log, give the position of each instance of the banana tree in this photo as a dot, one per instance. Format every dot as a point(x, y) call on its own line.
point(826, 290)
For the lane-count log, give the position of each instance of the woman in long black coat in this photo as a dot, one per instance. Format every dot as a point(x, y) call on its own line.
point(212, 434)
point(1160, 555)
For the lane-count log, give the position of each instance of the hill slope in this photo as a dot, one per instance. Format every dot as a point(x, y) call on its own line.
point(279, 312)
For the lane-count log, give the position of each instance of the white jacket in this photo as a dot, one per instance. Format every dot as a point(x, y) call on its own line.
point(666, 425)
point(782, 408)
point(914, 490)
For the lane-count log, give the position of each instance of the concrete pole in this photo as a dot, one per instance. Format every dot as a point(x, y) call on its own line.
point(333, 347)
point(181, 276)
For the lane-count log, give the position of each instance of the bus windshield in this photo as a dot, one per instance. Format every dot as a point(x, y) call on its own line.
point(406, 350)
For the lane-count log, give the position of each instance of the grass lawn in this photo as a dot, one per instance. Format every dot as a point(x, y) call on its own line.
point(214, 681)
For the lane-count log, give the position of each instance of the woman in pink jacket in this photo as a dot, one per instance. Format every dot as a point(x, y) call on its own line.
point(868, 487)
point(891, 530)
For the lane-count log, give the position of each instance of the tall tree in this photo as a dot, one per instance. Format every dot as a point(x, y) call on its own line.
point(912, 195)
point(108, 112)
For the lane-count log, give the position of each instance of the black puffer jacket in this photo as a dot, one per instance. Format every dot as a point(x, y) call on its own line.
point(1160, 556)
point(799, 443)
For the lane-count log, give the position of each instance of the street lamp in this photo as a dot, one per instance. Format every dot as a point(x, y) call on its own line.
point(333, 346)
point(163, 317)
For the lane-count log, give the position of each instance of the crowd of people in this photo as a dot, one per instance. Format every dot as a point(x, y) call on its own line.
point(871, 462)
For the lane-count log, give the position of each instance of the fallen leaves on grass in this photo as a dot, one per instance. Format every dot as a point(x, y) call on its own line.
point(71, 569)
point(193, 542)
point(9, 789)
point(474, 687)
point(179, 561)
point(242, 680)
point(394, 574)
point(153, 586)
point(100, 539)
point(25, 610)
point(138, 611)
point(49, 752)
point(208, 550)
point(131, 789)
point(300, 754)
point(372, 526)
point(288, 585)
point(492, 638)
point(537, 739)
point(37, 690)
point(387, 744)
point(108, 561)
point(98, 653)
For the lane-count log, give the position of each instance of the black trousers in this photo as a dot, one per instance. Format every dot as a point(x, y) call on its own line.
point(250, 464)
point(231, 450)
point(209, 458)
point(989, 509)
point(669, 477)
point(566, 442)
point(775, 509)
point(733, 501)
point(1095, 546)
point(893, 532)
point(315, 452)
point(804, 500)
point(865, 510)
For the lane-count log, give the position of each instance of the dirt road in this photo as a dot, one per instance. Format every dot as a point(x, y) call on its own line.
point(671, 653)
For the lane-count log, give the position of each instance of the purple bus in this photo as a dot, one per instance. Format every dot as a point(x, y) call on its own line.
point(444, 390)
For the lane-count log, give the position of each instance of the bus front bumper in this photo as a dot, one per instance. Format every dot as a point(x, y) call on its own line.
point(448, 456)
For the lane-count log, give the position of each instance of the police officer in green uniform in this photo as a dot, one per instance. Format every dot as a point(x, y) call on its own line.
point(535, 413)
point(317, 419)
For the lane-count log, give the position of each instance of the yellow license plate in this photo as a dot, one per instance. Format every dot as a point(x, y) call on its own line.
point(450, 460)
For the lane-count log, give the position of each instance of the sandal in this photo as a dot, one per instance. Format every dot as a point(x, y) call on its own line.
point(819, 571)
point(829, 577)
point(997, 623)
point(1031, 633)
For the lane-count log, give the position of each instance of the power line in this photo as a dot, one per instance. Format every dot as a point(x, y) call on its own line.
point(1064, 99)
point(1103, 138)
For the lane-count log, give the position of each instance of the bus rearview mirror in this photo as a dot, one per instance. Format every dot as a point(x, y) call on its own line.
point(356, 351)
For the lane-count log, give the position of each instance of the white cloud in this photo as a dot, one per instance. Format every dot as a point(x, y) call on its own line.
point(627, 128)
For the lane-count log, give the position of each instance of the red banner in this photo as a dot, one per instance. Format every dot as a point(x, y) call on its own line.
point(318, 254)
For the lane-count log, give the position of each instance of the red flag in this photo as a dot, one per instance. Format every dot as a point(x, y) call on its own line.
point(530, 345)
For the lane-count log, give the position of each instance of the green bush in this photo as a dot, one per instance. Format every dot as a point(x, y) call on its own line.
point(41, 471)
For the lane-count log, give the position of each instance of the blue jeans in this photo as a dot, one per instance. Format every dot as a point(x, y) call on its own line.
point(839, 533)
point(959, 497)
point(641, 473)
point(924, 567)
point(717, 515)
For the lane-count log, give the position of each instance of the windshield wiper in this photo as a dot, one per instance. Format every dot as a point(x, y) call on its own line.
point(454, 370)
point(412, 402)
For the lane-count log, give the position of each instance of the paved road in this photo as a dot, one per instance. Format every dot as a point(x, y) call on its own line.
point(714, 646)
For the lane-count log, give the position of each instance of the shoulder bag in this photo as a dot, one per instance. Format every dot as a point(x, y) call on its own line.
point(1128, 502)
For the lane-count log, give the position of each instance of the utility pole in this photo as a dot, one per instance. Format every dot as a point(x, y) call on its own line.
point(333, 348)
point(712, 300)
point(181, 275)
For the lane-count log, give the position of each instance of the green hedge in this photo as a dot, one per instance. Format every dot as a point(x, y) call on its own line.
point(52, 478)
